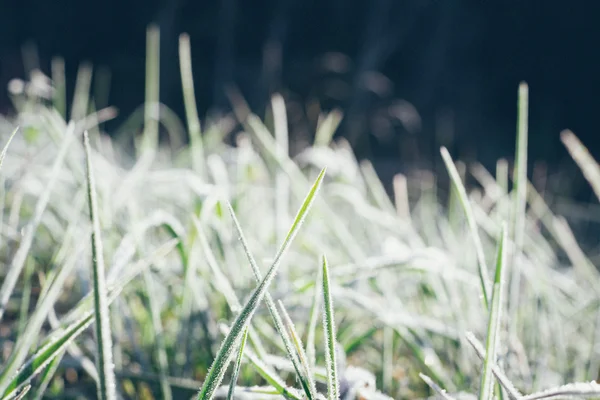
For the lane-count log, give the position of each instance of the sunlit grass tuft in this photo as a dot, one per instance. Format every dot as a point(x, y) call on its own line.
point(409, 278)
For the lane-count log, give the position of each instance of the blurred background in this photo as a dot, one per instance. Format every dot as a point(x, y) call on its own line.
point(410, 76)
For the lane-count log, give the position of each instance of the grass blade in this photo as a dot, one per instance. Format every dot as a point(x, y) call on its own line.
point(267, 373)
point(583, 158)
point(5, 148)
point(466, 204)
point(300, 351)
point(435, 387)
point(45, 355)
point(520, 200)
point(330, 337)
point(81, 96)
point(238, 365)
point(271, 307)
point(219, 365)
point(106, 383)
point(47, 376)
point(59, 94)
point(494, 320)
point(149, 141)
point(189, 99)
point(513, 393)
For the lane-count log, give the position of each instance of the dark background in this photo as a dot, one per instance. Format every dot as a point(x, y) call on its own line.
point(458, 63)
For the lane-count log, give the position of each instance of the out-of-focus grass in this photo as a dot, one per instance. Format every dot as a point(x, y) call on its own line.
point(188, 234)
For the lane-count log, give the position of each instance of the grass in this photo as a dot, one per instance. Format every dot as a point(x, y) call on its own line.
point(144, 275)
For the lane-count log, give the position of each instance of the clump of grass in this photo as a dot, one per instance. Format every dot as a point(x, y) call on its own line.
point(409, 278)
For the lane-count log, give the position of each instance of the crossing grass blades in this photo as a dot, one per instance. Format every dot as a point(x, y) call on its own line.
point(137, 269)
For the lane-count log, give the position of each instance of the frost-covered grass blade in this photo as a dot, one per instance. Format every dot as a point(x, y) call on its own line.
point(219, 365)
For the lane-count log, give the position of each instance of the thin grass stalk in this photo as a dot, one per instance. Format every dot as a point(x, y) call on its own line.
point(441, 392)
point(47, 375)
point(189, 100)
point(519, 203)
point(495, 316)
point(149, 140)
point(326, 128)
point(26, 297)
point(237, 366)
point(300, 351)
point(282, 181)
point(104, 364)
point(584, 160)
point(81, 97)
point(59, 94)
point(512, 392)
point(333, 385)
point(467, 207)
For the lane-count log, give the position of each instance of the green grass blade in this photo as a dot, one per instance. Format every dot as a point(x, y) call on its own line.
point(494, 320)
point(271, 377)
point(466, 204)
point(219, 365)
point(312, 394)
point(519, 201)
point(45, 355)
point(59, 94)
point(237, 366)
point(189, 100)
point(326, 128)
point(81, 97)
point(282, 181)
point(47, 375)
point(330, 336)
point(104, 363)
point(268, 374)
point(279, 326)
point(149, 141)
